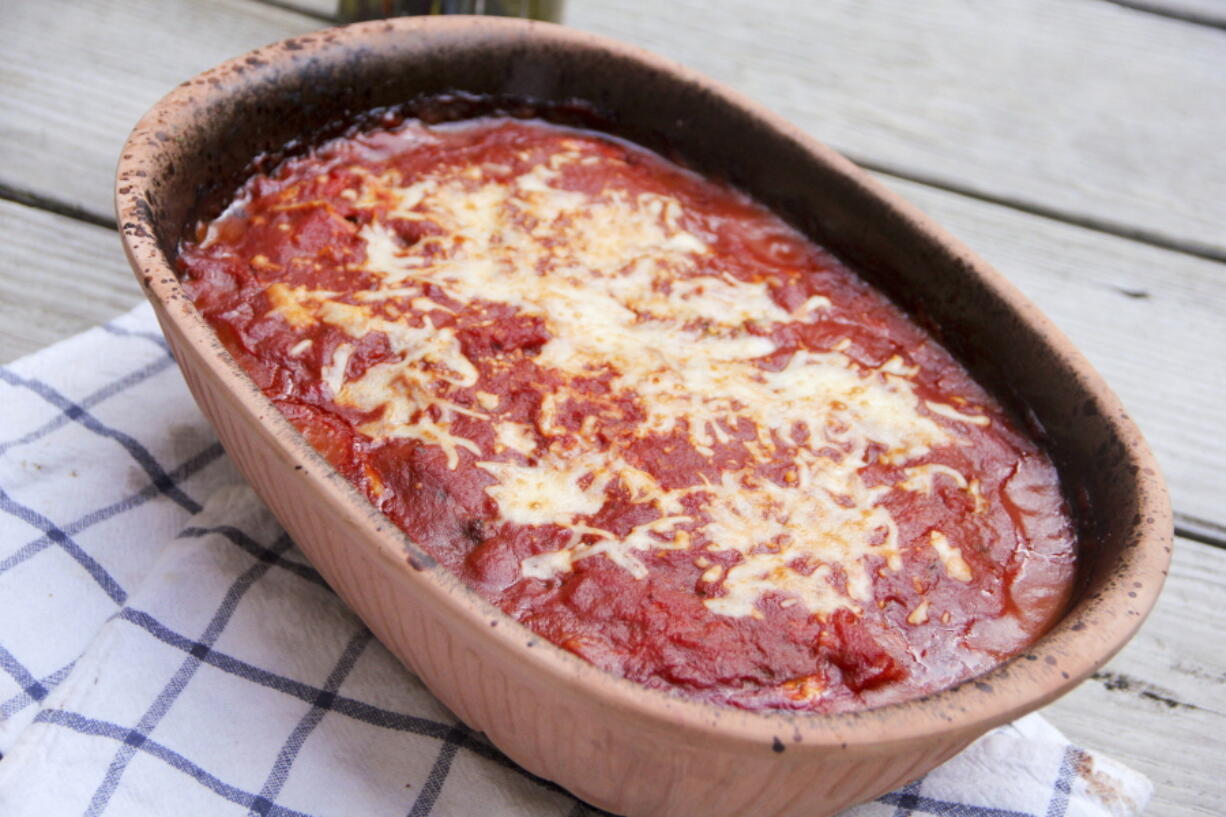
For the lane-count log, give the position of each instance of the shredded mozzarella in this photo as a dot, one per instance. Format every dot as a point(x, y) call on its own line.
point(614, 278)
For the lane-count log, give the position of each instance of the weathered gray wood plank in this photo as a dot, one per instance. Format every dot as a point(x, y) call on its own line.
point(318, 8)
point(1160, 705)
point(1149, 319)
point(77, 77)
point(1060, 105)
point(1082, 107)
point(58, 276)
point(1209, 11)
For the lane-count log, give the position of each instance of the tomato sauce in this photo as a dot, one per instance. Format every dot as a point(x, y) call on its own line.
point(684, 512)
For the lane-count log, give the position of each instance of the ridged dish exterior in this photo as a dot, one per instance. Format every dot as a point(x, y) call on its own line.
point(613, 743)
point(563, 737)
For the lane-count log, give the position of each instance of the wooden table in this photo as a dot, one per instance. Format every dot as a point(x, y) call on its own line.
point(1079, 145)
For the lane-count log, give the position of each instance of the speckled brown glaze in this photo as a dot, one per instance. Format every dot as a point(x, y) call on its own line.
point(618, 745)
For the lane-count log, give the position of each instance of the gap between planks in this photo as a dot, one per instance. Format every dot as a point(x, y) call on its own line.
point(1158, 706)
point(979, 102)
point(1088, 284)
point(319, 10)
point(1132, 233)
point(1210, 253)
point(1199, 530)
point(1071, 107)
point(1210, 13)
point(58, 276)
point(59, 208)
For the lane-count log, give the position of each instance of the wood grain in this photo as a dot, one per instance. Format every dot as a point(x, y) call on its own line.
point(327, 8)
point(58, 277)
point(1208, 12)
point(78, 76)
point(1150, 321)
point(1159, 705)
point(1063, 106)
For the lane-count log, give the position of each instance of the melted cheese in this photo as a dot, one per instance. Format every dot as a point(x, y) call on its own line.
point(659, 534)
point(952, 413)
point(922, 479)
point(547, 565)
point(285, 302)
point(827, 518)
point(519, 437)
point(951, 557)
point(333, 374)
point(618, 283)
point(554, 493)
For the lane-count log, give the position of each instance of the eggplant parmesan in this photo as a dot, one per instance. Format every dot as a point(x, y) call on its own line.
point(639, 413)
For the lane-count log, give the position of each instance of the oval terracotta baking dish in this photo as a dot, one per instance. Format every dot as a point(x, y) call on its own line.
point(615, 744)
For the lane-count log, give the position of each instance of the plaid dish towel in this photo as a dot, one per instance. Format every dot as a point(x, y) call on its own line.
point(165, 649)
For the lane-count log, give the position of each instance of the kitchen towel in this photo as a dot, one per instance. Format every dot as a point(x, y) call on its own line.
point(165, 649)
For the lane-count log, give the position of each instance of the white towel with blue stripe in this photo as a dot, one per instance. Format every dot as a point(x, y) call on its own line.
point(166, 650)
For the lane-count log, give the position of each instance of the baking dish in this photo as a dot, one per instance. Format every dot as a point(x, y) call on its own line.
point(611, 742)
